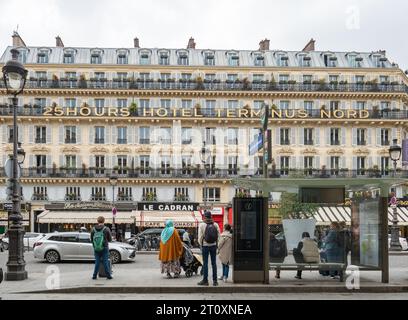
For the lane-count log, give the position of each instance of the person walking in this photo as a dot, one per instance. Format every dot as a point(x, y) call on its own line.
point(171, 250)
point(332, 247)
point(225, 251)
point(100, 238)
point(208, 235)
point(277, 252)
point(306, 252)
point(344, 242)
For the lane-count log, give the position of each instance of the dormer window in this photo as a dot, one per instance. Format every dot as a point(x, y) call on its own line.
point(182, 59)
point(69, 56)
point(209, 59)
point(42, 57)
point(233, 59)
point(330, 60)
point(304, 60)
point(355, 61)
point(145, 57)
point(122, 59)
point(164, 59)
point(259, 60)
point(282, 60)
point(379, 61)
point(96, 57)
point(22, 55)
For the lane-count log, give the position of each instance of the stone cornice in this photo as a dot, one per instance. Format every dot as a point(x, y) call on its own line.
point(310, 150)
point(99, 150)
point(40, 149)
point(121, 150)
point(383, 152)
point(285, 150)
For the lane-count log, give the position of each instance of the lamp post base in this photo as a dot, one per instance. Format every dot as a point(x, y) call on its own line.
point(16, 263)
point(15, 275)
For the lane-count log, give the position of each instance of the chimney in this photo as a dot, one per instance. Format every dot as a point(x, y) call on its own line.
point(382, 52)
point(310, 45)
point(59, 42)
point(264, 45)
point(136, 42)
point(191, 44)
point(17, 40)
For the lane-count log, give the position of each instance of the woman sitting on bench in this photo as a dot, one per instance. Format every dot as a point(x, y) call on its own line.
point(306, 252)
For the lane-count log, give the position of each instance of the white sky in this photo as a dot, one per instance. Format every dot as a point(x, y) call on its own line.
point(337, 25)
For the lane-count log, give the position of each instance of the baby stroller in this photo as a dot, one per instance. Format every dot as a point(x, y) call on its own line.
point(189, 261)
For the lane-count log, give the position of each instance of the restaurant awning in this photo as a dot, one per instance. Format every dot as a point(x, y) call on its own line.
point(181, 219)
point(327, 214)
point(49, 216)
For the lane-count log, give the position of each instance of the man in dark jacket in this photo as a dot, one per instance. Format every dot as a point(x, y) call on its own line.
point(104, 253)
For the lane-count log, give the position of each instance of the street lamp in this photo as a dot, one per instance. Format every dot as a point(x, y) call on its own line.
point(204, 154)
point(395, 154)
point(14, 77)
point(113, 180)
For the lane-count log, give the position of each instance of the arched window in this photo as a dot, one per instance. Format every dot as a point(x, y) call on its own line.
point(122, 56)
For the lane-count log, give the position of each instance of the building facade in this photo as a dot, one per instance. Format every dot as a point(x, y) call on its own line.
point(144, 114)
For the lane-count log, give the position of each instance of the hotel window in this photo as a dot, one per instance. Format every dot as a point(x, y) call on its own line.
point(282, 60)
point(259, 60)
point(334, 165)
point(122, 135)
point(334, 105)
point(210, 136)
point(209, 108)
point(165, 77)
point(164, 58)
point(122, 58)
point(232, 104)
point(359, 79)
point(149, 194)
point(165, 134)
point(124, 194)
point(42, 79)
point(307, 79)
point(39, 193)
point(360, 105)
point(10, 130)
point(186, 104)
point(165, 165)
point(70, 134)
point(304, 61)
point(71, 162)
point(122, 103)
point(99, 105)
point(98, 194)
point(99, 164)
point(71, 78)
point(232, 77)
point(285, 136)
point(72, 193)
point(181, 194)
point(283, 78)
point(209, 59)
point(144, 164)
point(40, 134)
point(284, 165)
point(210, 77)
point(212, 194)
point(144, 103)
point(333, 79)
point(121, 76)
point(144, 58)
point(330, 60)
point(361, 165)
point(361, 140)
point(70, 103)
point(186, 165)
point(122, 164)
point(334, 136)
point(308, 106)
point(144, 135)
point(308, 136)
point(40, 164)
point(165, 103)
point(232, 136)
point(99, 135)
point(68, 57)
point(385, 106)
point(308, 165)
point(39, 105)
point(183, 59)
point(284, 105)
point(258, 104)
point(385, 137)
point(233, 59)
point(22, 56)
point(385, 165)
point(186, 135)
point(96, 58)
point(355, 61)
point(384, 79)
point(379, 61)
point(232, 165)
point(42, 57)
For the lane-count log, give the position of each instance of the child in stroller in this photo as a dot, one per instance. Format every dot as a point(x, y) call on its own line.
point(189, 261)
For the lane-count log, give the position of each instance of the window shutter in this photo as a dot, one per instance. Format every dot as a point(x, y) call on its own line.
point(277, 136)
point(114, 161)
point(301, 162)
point(130, 135)
point(135, 134)
point(394, 133)
point(31, 161)
point(79, 135)
point(61, 160)
point(354, 163)
point(91, 135)
point(78, 162)
point(3, 134)
point(278, 162)
point(61, 134)
point(31, 134)
point(328, 162)
point(317, 136)
point(343, 163)
point(91, 163)
point(378, 135)
point(292, 162)
point(108, 163)
point(49, 161)
point(328, 136)
point(114, 134)
point(107, 134)
point(343, 136)
point(20, 133)
point(48, 132)
point(370, 162)
point(301, 135)
point(354, 136)
point(368, 136)
point(317, 162)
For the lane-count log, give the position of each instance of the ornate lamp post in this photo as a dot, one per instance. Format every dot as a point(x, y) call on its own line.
point(113, 180)
point(204, 155)
point(14, 76)
point(395, 154)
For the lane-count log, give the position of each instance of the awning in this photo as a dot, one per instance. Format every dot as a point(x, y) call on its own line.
point(327, 214)
point(157, 219)
point(49, 216)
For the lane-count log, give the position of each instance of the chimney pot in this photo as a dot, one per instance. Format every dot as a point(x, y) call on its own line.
point(136, 42)
point(58, 42)
point(17, 40)
point(310, 46)
point(264, 45)
point(191, 44)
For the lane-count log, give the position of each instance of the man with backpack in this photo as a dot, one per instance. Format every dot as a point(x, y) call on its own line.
point(100, 238)
point(208, 235)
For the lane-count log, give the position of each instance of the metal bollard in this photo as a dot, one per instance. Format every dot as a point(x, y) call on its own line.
point(1, 275)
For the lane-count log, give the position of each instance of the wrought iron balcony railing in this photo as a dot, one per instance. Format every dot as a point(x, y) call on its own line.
point(214, 173)
point(214, 85)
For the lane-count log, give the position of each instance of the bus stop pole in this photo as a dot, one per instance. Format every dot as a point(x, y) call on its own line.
point(385, 277)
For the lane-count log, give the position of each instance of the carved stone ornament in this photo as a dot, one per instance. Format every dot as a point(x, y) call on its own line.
point(121, 150)
point(40, 149)
point(70, 149)
point(335, 151)
point(310, 150)
point(361, 151)
point(287, 150)
point(99, 150)
point(383, 152)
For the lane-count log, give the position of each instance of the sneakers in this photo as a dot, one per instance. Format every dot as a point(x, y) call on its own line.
point(298, 277)
point(224, 279)
point(221, 278)
point(203, 283)
point(93, 277)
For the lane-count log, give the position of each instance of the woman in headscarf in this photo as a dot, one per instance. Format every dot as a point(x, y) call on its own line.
point(171, 250)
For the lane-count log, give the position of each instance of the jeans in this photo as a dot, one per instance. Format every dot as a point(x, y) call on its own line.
point(212, 252)
point(333, 255)
point(104, 255)
point(225, 270)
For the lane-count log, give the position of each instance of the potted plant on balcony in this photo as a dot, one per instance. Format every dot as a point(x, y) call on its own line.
point(82, 81)
point(54, 82)
point(246, 84)
point(200, 83)
point(133, 108)
point(374, 172)
point(292, 82)
point(297, 217)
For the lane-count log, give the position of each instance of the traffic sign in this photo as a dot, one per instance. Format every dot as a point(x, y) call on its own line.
point(8, 206)
point(8, 168)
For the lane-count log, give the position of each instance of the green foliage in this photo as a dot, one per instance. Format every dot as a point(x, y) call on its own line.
point(292, 208)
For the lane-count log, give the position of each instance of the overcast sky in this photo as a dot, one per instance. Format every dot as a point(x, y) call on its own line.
point(337, 25)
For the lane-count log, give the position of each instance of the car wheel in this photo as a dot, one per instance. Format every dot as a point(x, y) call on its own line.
point(114, 256)
point(189, 273)
point(52, 256)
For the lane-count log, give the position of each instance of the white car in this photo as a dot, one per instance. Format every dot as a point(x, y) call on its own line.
point(56, 247)
point(29, 239)
point(403, 242)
